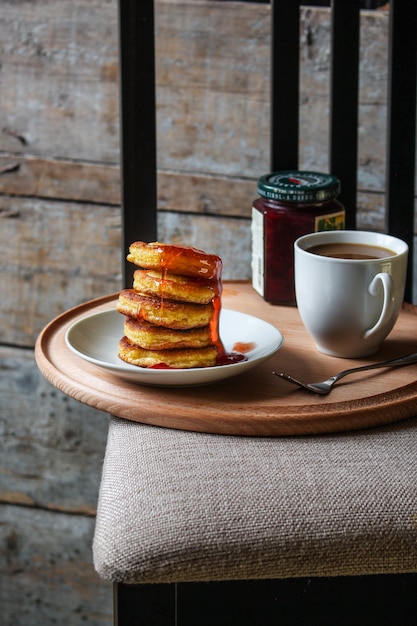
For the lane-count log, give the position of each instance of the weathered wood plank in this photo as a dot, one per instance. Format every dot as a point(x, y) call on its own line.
point(52, 451)
point(67, 253)
point(213, 102)
point(46, 283)
point(46, 570)
point(228, 237)
point(213, 86)
point(52, 446)
point(59, 76)
point(30, 176)
point(181, 192)
point(60, 86)
point(34, 177)
point(53, 256)
point(206, 194)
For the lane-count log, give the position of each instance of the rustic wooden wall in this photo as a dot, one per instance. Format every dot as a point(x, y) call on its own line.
point(59, 245)
point(60, 230)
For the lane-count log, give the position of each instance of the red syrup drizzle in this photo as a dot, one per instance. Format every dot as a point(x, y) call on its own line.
point(212, 277)
point(244, 347)
point(223, 357)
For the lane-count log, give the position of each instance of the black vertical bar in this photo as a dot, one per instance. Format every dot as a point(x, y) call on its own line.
point(401, 127)
point(322, 600)
point(138, 124)
point(154, 604)
point(285, 89)
point(344, 81)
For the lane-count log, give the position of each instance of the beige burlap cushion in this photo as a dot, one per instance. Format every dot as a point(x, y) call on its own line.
point(183, 506)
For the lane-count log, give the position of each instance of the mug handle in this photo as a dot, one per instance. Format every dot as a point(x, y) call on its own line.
point(387, 307)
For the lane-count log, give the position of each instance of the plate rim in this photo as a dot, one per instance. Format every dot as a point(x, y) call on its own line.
point(135, 372)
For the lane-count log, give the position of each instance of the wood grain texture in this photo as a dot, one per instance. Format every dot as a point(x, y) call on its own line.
point(49, 262)
point(59, 140)
point(52, 447)
point(180, 192)
point(59, 75)
point(254, 403)
point(65, 253)
point(59, 95)
point(46, 570)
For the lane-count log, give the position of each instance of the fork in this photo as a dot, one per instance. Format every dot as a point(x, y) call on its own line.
point(325, 387)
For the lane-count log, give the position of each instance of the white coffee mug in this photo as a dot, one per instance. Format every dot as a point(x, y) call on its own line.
point(349, 305)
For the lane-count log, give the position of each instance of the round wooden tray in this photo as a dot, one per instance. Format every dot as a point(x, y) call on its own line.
point(252, 403)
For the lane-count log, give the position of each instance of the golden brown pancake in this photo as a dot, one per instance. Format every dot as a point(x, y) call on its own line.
point(152, 337)
point(167, 313)
point(174, 287)
point(175, 259)
point(172, 312)
point(177, 358)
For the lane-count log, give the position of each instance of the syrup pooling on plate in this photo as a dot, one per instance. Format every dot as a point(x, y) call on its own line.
point(244, 347)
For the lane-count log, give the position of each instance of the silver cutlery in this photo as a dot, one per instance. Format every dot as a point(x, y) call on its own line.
point(326, 386)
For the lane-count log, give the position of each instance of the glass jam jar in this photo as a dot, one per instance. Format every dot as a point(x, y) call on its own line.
point(291, 204)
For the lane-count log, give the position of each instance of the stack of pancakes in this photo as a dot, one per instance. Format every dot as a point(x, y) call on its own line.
point(172, 312)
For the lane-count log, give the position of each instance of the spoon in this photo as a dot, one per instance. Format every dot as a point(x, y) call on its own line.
point(326, 386)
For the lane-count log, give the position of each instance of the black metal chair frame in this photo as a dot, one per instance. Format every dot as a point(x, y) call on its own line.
point(139, 190)
point(138, 112)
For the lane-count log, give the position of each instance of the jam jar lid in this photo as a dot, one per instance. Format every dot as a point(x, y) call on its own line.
point(298, 186)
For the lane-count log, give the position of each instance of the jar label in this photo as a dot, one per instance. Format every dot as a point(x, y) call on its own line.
point(332, 221)
point(258, 252)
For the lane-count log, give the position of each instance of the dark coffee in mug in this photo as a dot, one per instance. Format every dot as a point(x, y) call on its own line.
point(348, 250)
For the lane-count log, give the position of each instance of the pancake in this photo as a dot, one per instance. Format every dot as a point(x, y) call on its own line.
point(152, 337)
point(175, 259)
point(177, 358)
point(174, 287)
point(172, 311)
point(167, 313)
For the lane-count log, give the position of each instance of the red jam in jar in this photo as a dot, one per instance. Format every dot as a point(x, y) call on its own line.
point(291, 204)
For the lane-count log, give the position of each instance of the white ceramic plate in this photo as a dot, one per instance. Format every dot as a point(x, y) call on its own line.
point(95, 338)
